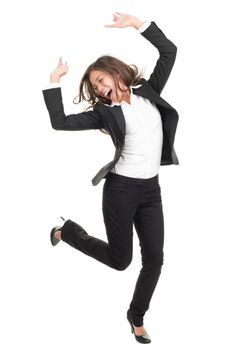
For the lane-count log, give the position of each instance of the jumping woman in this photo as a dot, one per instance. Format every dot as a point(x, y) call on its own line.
point(142, 127)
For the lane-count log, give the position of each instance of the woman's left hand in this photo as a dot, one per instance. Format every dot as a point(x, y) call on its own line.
point(123, 20)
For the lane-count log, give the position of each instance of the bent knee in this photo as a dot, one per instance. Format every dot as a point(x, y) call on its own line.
point(122, 265)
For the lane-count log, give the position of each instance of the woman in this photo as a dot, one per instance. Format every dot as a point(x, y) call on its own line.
point(142, 126)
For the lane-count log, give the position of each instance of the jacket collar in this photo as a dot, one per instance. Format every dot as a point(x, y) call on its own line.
point(143, 90)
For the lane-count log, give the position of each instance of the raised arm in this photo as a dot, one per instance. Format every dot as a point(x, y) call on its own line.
point(167, 50)
point(167, 56)
point(61, 121)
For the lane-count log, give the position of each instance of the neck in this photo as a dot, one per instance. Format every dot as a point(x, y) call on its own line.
point(125, 96)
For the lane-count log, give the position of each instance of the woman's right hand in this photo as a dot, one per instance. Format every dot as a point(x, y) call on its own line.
point(59, 71)
point(123, 20)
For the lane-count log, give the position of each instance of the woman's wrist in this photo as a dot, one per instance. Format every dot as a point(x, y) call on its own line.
point(54, 79)
point(137, 23)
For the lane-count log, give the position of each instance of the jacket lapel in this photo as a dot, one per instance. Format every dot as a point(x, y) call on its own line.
point(145, 91)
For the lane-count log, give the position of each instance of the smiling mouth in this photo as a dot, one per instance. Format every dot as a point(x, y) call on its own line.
point(109, 94)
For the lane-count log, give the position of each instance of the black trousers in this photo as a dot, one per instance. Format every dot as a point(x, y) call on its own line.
point(127, 201)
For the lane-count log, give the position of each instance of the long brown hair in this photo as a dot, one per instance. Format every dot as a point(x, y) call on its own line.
point(128, 73)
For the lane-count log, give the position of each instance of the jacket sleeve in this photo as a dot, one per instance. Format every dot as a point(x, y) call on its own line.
point(60, 121)
point(167, 56)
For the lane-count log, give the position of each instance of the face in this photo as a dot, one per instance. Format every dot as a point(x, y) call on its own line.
point(104, 85)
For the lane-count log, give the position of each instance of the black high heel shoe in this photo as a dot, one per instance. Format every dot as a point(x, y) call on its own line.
point(143, 339)
point(54, 241)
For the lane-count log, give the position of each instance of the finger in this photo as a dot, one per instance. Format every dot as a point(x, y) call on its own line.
point(113, 26)
point(110, 25)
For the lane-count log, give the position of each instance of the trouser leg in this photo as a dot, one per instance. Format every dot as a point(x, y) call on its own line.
point(76, 236)
point(118, 219)
point(149, 225)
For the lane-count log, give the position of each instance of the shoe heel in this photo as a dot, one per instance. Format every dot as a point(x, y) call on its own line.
point(130, 322)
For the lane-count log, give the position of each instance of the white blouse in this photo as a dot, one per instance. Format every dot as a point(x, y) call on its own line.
point(142, 150)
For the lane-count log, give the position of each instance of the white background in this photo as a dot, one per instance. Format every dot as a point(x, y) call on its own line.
point(56, 297)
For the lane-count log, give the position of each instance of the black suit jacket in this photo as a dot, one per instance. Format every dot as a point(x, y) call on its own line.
point(112, 118)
